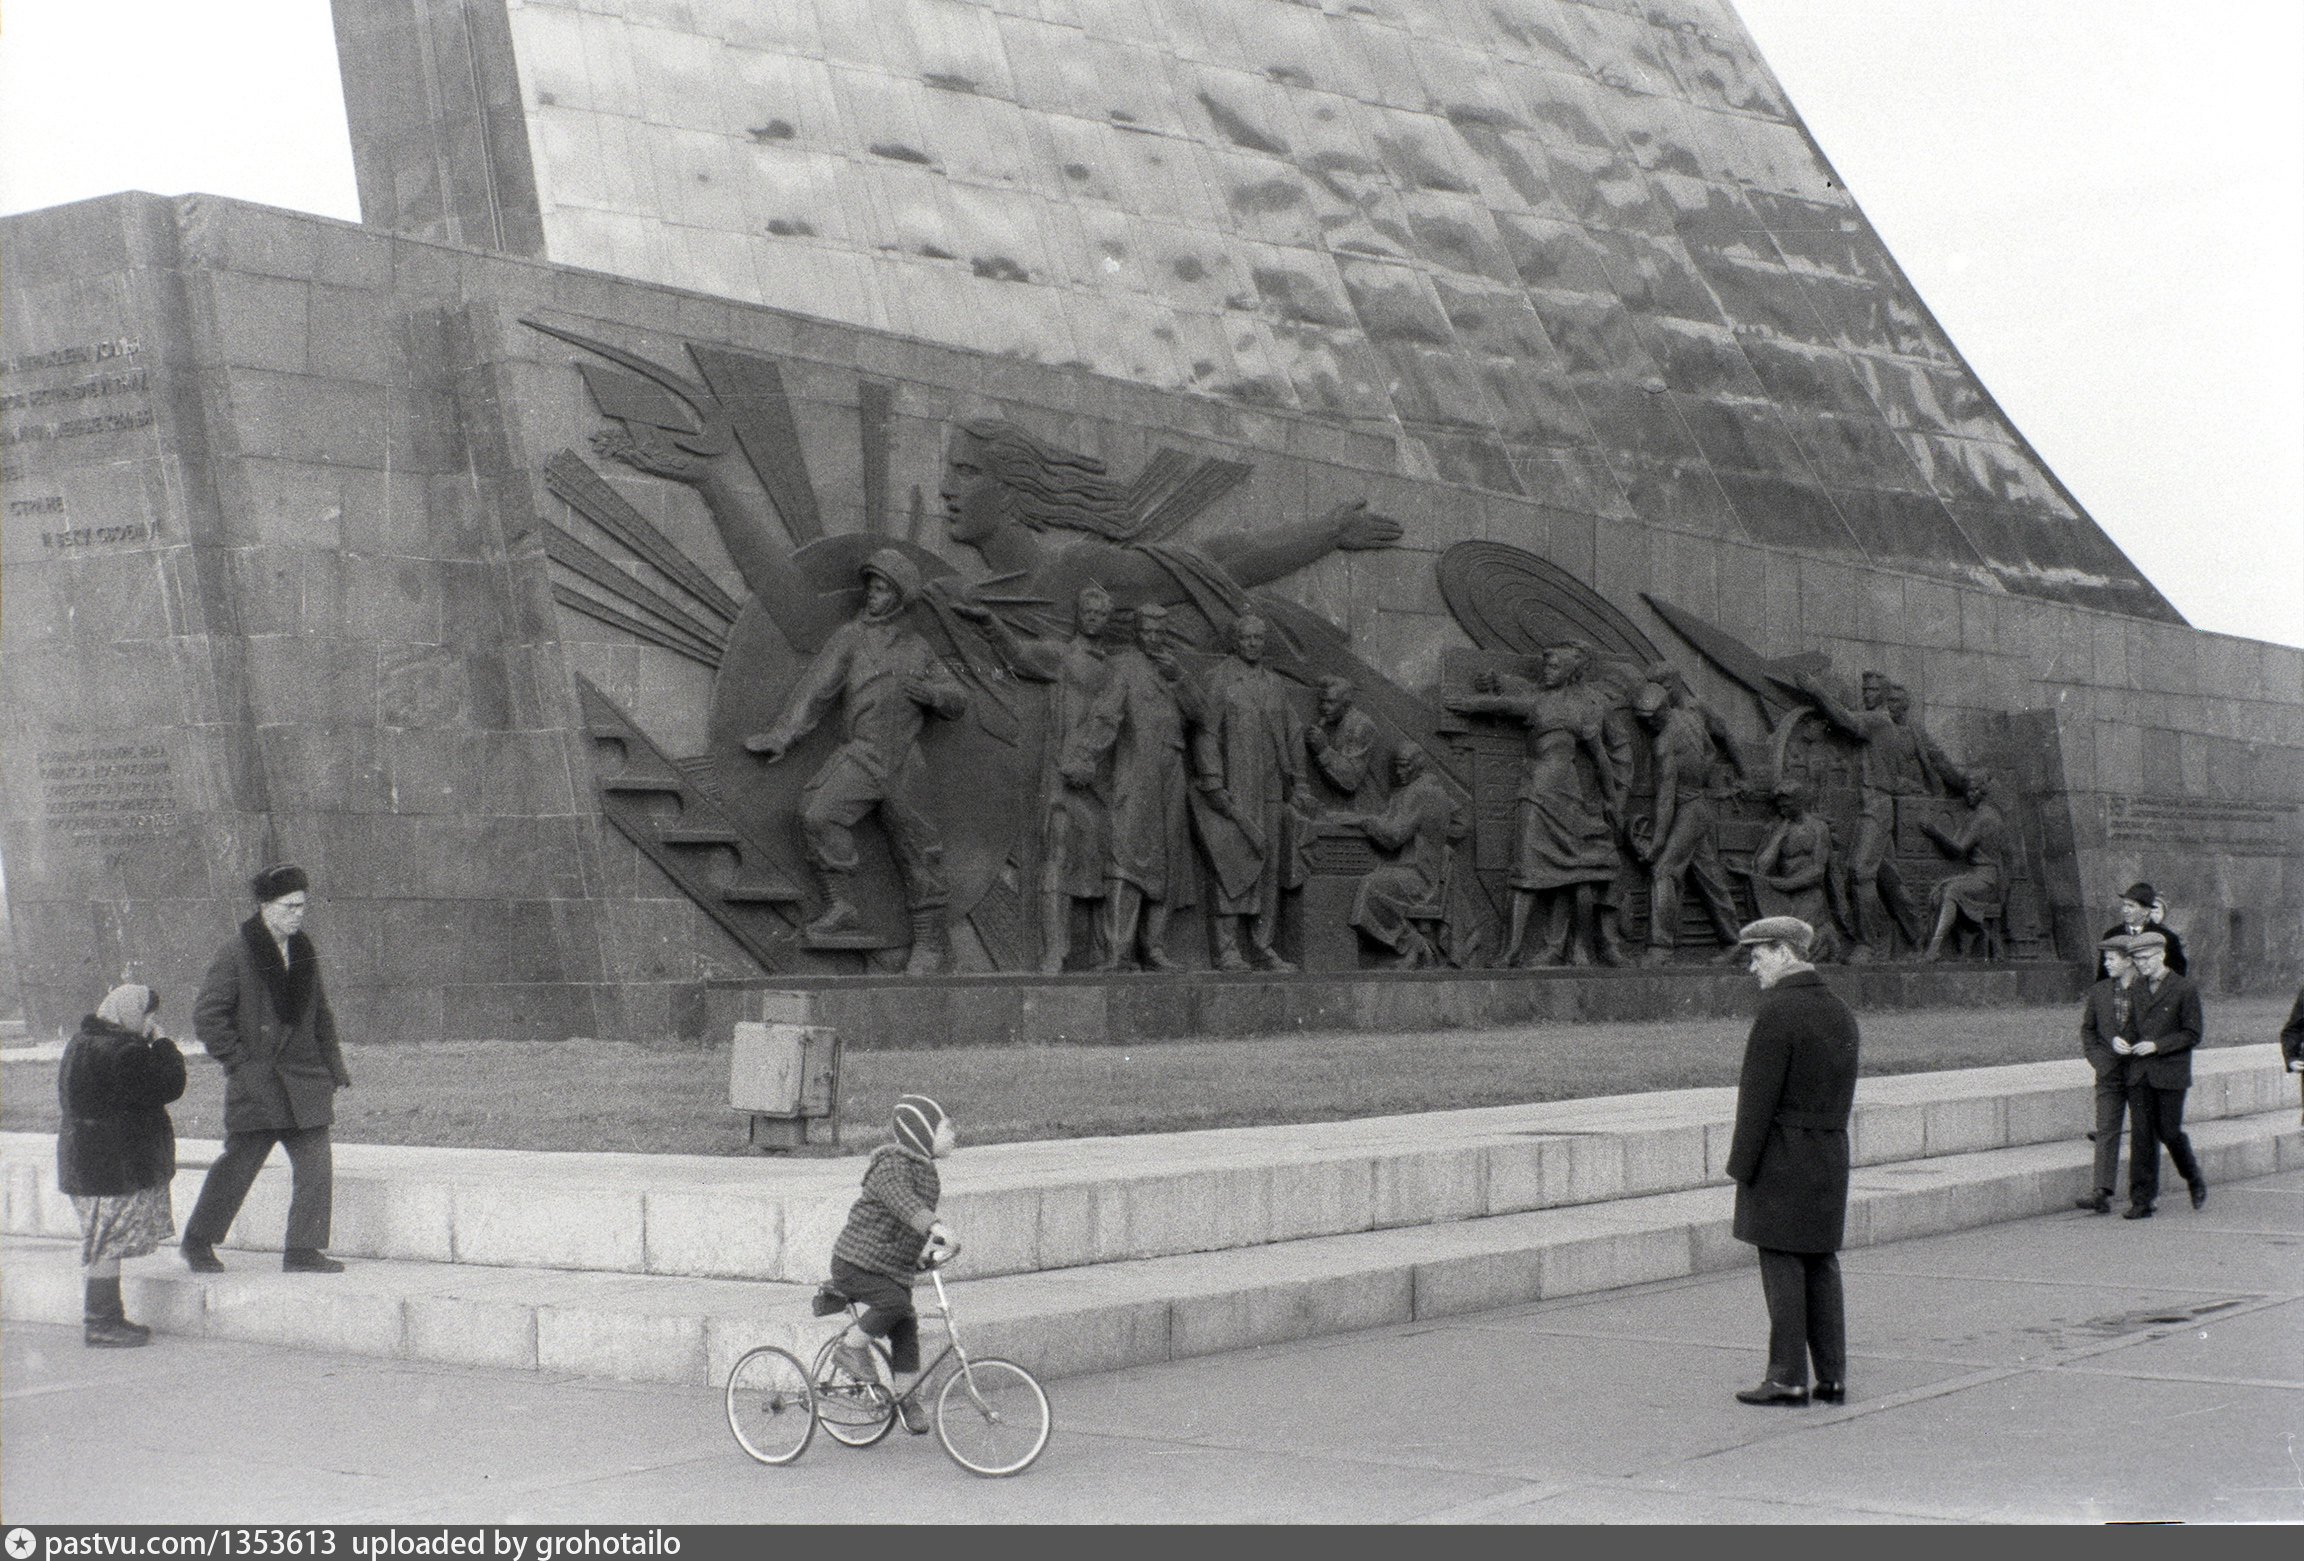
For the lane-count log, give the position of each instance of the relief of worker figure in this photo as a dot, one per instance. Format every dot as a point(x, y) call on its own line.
point(1898, 759)
point(1006, 491)
point(1074, 819)
point(1571, 808)
point(1140, 720)
point(1796, 861)
point(1416, 826)
point(1978, 892)
point(1684, 843)
point(890, 682)
point(1249, 770)
point(1343, 743)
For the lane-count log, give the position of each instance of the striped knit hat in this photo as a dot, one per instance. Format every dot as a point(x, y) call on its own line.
point(917, 1119)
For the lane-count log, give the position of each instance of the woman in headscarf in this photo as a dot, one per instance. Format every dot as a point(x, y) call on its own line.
point(116, 1149)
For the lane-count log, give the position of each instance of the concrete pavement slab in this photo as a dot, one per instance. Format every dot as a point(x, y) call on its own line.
point(2071, 1398)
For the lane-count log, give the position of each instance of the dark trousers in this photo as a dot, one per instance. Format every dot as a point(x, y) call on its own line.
point(2156, 1117)
point(888, 1311)
point(311, 1195)
point(2111, 1110)
point(1806, 1316)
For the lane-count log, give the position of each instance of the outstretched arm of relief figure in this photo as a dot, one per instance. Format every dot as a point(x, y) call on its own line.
point(1273, 555)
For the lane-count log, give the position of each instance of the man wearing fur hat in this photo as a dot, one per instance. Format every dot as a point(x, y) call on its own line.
point(1789, 1160)
point(891, 682)
point(263, 1014)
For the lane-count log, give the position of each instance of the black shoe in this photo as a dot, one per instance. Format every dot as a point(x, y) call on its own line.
point(113, 1333)
point(2199, 1194)
point(1773, 1393)
point(309, 1260)
point(1830, 1393)
point(2137, 1211)
point(2095, 1203)
point(200, 1257)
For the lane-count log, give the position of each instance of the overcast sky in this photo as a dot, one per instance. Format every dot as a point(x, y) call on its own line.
point(2103, 203)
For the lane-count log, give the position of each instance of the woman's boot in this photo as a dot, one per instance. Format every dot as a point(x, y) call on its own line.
point(104, 1323)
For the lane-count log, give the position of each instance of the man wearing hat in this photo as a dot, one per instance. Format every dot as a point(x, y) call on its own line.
point(263, 1014)
point(2141, 911)
point(2107, 1035)
point(891, 682)
point(2168, 1027)
point(1789, 1160)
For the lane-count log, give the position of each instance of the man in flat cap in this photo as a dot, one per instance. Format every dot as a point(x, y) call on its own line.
point(2168, 1027)
point(263, 1014)
point(1789, 1160)
point(2107, 1036)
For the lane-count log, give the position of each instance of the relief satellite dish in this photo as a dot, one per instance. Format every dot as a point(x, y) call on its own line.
point(1509, 599)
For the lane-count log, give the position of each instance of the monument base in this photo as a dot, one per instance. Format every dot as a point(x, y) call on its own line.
point(1102, 1010)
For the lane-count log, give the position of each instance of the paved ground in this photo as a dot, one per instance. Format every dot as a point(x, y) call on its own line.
point(2064, 1369)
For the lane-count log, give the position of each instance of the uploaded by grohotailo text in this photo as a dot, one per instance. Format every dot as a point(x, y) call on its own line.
point(492, 1542)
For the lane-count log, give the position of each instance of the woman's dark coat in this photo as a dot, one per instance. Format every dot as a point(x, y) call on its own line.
point(114, 1088)
point(271, 1028)
point(1790, 1154)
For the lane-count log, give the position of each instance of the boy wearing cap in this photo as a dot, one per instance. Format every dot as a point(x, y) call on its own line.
point(263, 1014)
point(1789, 1160)
point(878, 1254)
point(2142, 910)
point(2168, 1026)
point(2107, 1035)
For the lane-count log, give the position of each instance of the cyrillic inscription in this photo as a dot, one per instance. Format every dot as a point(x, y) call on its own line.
point(2262, 828)
point(116, 794)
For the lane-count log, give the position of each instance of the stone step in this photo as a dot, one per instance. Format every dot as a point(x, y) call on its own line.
point(1071, 1203)
point(654, 1328)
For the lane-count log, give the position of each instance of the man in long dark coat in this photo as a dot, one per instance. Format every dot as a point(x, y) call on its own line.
point(1789, 1160)
point(263, 1014)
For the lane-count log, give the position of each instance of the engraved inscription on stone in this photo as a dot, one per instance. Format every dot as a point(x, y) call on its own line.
point(124, 381)
point(2254, 827)
point(1343, 856)
point(114, 794)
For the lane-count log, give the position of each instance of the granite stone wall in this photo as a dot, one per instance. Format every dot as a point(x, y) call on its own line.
point(275, 586)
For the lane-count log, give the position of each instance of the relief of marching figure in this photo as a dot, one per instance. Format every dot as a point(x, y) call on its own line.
point(1899, 759)
point(888, 682)
point(1682, 845)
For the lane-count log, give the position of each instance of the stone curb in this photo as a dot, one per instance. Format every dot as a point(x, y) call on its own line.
point(1064, 1204)
point(1098, 1318)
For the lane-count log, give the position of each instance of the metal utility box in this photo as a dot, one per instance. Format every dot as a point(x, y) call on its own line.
point(784, 1074)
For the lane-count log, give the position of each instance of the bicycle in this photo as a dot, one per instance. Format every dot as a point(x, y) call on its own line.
point(991, 1415)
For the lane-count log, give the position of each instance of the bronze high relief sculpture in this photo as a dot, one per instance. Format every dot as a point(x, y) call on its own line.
point(1038, 765)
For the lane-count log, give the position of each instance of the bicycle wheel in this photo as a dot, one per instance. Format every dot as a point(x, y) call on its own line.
point(992, 1418)
point(770, 1407)
point(854, 1412)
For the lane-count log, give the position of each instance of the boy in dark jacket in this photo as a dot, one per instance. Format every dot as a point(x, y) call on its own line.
point(878, 1254)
